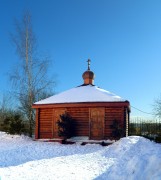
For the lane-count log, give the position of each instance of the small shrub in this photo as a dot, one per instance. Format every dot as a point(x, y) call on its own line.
point(66, 126)
point(118, 131)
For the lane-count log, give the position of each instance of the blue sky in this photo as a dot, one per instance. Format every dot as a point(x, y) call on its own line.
point(121, 37)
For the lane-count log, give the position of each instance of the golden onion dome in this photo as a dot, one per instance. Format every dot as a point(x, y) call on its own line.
point(88, 75)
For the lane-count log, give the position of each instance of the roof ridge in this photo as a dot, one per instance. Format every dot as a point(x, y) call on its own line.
point(86, 85)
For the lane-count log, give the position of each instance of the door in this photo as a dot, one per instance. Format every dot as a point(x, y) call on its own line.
point(57, 113)
point(97, 116)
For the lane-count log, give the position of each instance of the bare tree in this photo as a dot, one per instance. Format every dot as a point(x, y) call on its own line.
point(157, 107)
point(30, 78)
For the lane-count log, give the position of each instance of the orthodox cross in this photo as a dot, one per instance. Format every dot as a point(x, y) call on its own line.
point(89, 62)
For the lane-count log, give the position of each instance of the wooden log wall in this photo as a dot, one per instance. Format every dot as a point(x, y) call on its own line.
point(81, 116)
point(46, 116)
point(111, 114)
point(45, 123)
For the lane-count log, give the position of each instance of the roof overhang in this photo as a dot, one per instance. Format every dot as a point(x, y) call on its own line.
point(83, 104)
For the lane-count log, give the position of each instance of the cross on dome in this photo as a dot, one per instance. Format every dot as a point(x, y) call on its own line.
point(89, 62)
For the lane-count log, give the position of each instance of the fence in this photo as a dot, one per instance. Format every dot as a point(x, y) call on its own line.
point(148, 128)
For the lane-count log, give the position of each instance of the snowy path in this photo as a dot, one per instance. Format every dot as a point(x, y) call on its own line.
point(130, 158)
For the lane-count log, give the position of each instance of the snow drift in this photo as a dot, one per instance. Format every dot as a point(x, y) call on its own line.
point(129, 158)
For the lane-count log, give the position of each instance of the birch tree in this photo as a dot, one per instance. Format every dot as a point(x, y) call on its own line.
point(30, 78)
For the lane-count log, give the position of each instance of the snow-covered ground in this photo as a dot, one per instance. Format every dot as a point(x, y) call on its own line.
point(130, 158)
